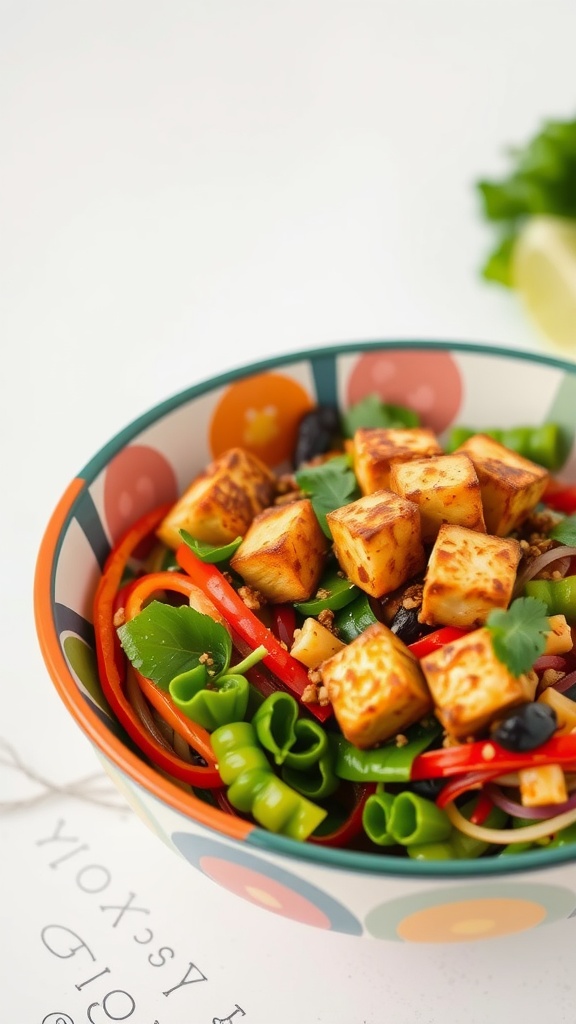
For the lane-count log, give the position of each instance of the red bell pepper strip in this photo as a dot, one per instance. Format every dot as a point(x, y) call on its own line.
point(560, 498)
point(487, 756)
point(462, 783)
point(290, 671)
point(432, 641)
point(351, 827)
point(111, 664)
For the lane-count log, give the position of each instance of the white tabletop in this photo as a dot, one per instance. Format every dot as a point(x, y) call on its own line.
point(186, 186)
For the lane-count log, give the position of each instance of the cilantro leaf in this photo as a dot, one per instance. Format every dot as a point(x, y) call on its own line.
point(541, 180)
point(518, 633)
point(163, 641)
point(212, 553)
point(328, 485)
point(565, 531)
point(371, 411)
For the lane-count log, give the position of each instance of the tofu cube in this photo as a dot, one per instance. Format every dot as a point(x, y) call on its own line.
point(511, 485)
point(559, 639)
point(377, 541)
point(314, 643)
point(542, 785)
point(446, 490)
point(468, 574)
point(375, 686)
point(221, 502)
point(376, 449)
point(283, 552)
point(470, 686)
point(564, 707)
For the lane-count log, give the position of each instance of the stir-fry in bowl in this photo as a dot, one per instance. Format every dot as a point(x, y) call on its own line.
point(316, 616)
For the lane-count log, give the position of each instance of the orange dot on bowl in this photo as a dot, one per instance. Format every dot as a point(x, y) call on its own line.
point(260, 414)
point(471, 919)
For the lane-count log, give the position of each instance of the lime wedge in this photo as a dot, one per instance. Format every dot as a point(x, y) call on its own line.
point(544, 277)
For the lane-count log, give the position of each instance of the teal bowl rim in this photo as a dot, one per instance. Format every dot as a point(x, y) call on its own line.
point(349, 860)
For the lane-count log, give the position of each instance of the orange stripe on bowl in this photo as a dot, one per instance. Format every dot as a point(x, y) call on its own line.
point(142, 773)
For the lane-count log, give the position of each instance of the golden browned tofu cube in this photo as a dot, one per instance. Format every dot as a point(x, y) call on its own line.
point(542, 785)
point(468, 574)
point(470, 686)
point(511, 485)
point(314, 643)
point(375, 686)
point(446, 490)
point(283, 552)
point(221, 502)
point(377, 541)
point(376, 449)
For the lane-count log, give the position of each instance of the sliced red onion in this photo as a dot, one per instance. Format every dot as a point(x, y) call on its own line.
point(563, 553)
point(565, 683)
point(555, 661)
point(519, 811)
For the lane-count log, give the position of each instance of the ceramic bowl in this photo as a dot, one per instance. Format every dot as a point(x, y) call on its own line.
point(374, 895)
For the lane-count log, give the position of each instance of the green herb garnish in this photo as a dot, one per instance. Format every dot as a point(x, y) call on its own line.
point(519, 633)
point(371, 411)
point(329, 486)
point(541, 181)
point(164, 641)
point(565, 531)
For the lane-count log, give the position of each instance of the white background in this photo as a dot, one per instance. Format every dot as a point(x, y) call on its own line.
point(186, 186)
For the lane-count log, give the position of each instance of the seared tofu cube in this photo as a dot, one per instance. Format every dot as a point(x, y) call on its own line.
point(468, 574)
point(511, 485)
point(469, 685)
point(377, 541)
point(446, 490)
point(375, 686)
point(283, 552)
point(376, 449)
point(221, 502)
point(542, 785)
point(314, 643)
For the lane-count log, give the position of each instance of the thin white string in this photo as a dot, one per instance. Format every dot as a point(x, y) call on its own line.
point(96, 789)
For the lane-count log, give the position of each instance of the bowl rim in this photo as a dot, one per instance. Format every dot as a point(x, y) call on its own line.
point(145, 775)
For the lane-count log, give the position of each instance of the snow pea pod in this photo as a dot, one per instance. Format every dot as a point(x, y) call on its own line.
point(335, 592)
point(388, 763)
point(352, 620)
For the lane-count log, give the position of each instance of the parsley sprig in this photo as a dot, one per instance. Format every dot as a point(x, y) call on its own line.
point(541, 181)
point(565, 531)
point(329, 486)
point(518, 633)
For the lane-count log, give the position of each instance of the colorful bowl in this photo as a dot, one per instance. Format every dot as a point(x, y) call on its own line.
point(151, 461)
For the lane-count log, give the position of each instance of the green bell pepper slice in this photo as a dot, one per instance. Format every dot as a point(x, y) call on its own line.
point(254, 788)
point(316, 782)
point(224, 700)
point(415, 819)
point(546, 444)
point(559, 595)
point(376, 817)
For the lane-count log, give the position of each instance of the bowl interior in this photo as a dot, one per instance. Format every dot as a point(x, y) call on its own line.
point(258, 407)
